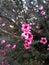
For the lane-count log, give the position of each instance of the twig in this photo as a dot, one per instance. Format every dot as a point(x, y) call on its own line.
point(9, 33)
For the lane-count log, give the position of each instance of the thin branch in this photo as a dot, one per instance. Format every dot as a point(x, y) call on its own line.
point(9, 33)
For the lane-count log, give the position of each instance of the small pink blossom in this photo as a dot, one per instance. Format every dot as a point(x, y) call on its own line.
point(43, 40)
point(40, 8)
point(0, 18)
point(26, 46)
point(43, 13)
point(34, 23)
point(8, 64)
point(8, 46)
point(25, 27)
point(30, 35)
point(37, 27)
point(39, 31)
point(3, 24)
point(48, 49)
point(48, 45)
point(3, 53)
point(27, 35)
point(24, 35)
point(45, 16)
point(14, 46)
point(2, 63)
point(3, 41)
point(28, 41)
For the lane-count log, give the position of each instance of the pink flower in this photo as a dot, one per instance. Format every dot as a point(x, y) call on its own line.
point(8, 64)
point(26, 46)
point(48, 45)
point(3, 52)
point(27, 35)
point(43, 13)
point(43, 40)
point(2, 63)
point(24, 35)
point(28, 41)
point(14, 46)
point(39, 31)
point(0, 18)
point(48, 49)
point(3, 24)
point(34, 23)
point(2, 41)
point(30, 36)
point(40, 8)
point(7, 46)
point(45, 16)
point(25, 27)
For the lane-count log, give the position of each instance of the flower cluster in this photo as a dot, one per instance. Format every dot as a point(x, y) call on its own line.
point(6, 47)
point(26, 35)
point(42, 12)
